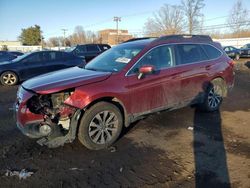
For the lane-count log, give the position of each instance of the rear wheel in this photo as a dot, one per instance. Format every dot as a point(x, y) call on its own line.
point(100, 126)
point(9, 78)
point(213, 97)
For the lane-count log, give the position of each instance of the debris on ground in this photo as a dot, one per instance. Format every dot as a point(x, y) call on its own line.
point(23, 174)
point(112, 149)
point(73, 169)
point(121, 169)
point(190, 128)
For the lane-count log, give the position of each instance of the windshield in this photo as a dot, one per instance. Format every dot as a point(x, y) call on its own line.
point(70, 49)
point(21, 57)
point(114, 59)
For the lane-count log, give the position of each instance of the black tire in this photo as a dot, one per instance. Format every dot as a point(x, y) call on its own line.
point(9, 78)
point(213, 96)
point(91, 126)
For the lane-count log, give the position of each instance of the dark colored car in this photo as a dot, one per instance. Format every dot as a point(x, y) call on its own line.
point(232, 52)
point(121, 86)
point(245, 51)
point(16, 53)
point(6, 56)
point(33, 64)
point(88, 51)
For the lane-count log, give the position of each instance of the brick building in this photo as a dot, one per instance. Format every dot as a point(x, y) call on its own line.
point(109, 36)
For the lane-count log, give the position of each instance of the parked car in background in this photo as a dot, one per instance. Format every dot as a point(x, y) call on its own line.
point(121, 86)
point(6, 56)
point(16, 53)
point(32, 64)
point(245, 51)
point(88, 51)
point(232, 52)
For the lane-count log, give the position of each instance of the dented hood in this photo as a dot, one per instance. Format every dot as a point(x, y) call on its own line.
point(64, 79)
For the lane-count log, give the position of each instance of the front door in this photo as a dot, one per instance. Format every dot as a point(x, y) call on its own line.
point(158, 90)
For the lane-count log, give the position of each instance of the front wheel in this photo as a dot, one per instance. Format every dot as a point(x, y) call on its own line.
point(100, 126)
point(9, 78)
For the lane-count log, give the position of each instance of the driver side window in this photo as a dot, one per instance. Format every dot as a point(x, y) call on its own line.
point(160, 57)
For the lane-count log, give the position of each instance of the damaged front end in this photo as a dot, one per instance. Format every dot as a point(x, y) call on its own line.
point(47, 117)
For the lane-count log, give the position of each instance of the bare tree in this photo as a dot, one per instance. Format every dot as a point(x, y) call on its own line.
point(55, 41)
point(78, 37)
point(91, 37)
point(192, 10)
point(168, 20)
point(238, 19)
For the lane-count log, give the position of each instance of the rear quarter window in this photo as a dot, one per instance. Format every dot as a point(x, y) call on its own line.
point(211, 51)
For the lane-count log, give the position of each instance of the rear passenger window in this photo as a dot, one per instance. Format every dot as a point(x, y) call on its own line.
point(160, 57)
point(190, 53)
point(211, 51)
point(92, 48)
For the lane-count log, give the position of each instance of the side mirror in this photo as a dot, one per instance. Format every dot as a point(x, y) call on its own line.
point(146, 69)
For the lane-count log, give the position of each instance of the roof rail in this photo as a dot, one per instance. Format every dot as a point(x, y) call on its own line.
point(142, 38)
point(184, 38)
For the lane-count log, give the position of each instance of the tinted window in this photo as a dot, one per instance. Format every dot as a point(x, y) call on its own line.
point(211, 51)
point(92, 48)
point(37, 57)
point(160, 57)
point(80, 49)
point(52, 56)
point(190, 53)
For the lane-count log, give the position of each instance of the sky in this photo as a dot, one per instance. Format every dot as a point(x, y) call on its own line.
point(55, 15)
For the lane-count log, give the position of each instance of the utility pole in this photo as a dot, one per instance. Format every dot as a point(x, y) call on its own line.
point(64, 32)
point(117, 20)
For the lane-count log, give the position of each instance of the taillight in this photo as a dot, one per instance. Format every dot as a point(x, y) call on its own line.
point(231, 63)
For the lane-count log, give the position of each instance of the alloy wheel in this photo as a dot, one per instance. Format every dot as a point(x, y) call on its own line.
point(103, 127)
point(214, 97)
point(9, 79)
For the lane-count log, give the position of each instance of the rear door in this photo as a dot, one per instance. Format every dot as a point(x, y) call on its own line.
point(158, 90)
point(192, 65)
point(33, 65)
point(54, 61)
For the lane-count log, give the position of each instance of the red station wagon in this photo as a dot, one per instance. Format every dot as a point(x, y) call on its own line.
point(122, 85)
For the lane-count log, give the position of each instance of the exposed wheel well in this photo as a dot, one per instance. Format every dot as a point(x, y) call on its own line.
point(114, 101)
point(10, 71)
point(220, 81)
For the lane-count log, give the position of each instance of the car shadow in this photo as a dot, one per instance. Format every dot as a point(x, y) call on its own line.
point(210, 158)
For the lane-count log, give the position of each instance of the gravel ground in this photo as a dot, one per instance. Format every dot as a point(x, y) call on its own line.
point(159, 151)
